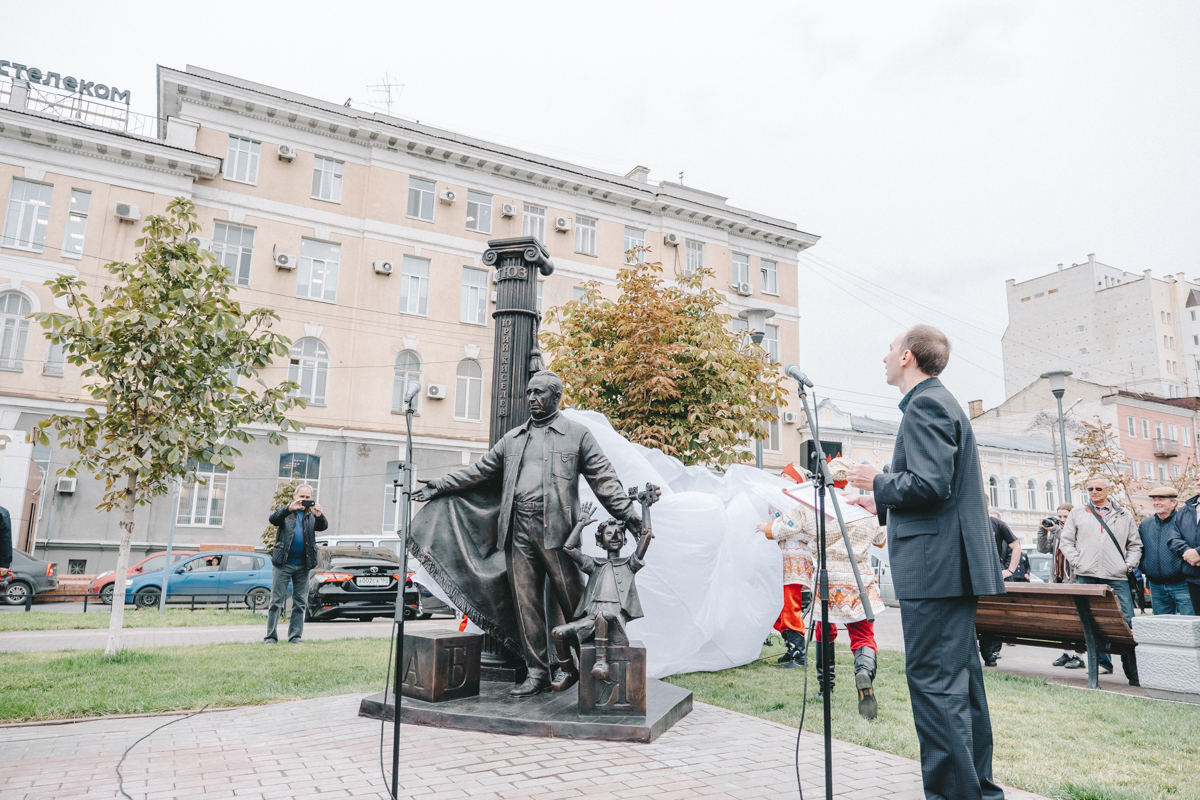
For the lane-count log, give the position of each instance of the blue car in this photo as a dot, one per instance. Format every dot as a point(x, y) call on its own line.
point(208, 577)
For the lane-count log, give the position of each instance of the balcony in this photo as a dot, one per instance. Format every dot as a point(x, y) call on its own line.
point(1166, 448)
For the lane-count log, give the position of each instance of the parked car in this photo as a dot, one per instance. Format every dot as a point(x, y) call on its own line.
point(883, 576)
point(30, 576)
point(209, 577)
point(354, 582)
point(419, 602)
point(1040, 565)
point(103, 583)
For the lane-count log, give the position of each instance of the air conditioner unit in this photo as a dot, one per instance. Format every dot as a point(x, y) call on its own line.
point(286, 152)
point(201, 242)
point(383, 267)
point(508, 210)
point(67, 485)
point(436, 390)
point(128, 212)
point(562, 224)
point(744, 289)
point(285, 261)
point(789, 417)
point(448, 196)
point(673, 239)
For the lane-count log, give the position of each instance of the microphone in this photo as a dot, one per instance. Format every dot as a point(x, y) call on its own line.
point(413, 388)
point(793, 372)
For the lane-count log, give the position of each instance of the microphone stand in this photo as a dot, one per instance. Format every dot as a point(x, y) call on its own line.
point(823, 479)
point(403, 523)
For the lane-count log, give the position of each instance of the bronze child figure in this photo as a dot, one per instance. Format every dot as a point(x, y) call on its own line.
point(610, 599)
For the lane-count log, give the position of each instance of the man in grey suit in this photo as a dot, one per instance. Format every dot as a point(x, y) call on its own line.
point(943, 556)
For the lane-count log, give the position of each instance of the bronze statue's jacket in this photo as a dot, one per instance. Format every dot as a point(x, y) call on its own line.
point(571, 451)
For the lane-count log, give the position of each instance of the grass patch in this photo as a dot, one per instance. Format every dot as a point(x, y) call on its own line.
point(64, 685)
point(171, 618)
point(1056, 741)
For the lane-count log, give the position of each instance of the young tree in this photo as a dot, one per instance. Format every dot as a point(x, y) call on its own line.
point(162, 351)
point(663, 365)
point(282, 497)
point(1097, 455)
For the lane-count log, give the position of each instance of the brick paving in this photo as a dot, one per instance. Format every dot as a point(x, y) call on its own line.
point(321, 749)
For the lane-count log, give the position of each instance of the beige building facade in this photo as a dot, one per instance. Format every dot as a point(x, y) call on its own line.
point(365, 233)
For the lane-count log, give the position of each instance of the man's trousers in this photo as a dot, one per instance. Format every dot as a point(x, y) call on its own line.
point(529, 565)
point(945, 686)
point(1171, 598)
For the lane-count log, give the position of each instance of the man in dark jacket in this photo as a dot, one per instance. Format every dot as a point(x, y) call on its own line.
point(943, 556)
point(1185, 543)
point(1162, 567)
point(295, 554)
point(5, 547)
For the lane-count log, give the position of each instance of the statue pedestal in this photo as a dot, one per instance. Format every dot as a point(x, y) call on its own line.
point(624, 692)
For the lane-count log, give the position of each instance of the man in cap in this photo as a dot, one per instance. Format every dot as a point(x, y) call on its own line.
point(1162, 567)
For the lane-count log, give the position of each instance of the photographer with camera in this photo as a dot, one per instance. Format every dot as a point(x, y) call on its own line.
point(1060, 570)
point(295, 554)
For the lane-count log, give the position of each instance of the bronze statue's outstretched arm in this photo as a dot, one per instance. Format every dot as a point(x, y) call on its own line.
point(585, 519)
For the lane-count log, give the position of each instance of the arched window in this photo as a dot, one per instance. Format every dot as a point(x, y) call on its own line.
point(309, 367)
point(408, 370)
point(468, 391)
point(14, 330)
point(1050, 496)
point(1031, 490)
point(994, 491)
point(300, 468)
point(1012, 493)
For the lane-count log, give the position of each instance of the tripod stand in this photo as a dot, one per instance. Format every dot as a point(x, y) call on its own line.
point(822, 480)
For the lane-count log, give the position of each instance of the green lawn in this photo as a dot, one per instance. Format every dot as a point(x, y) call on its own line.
point(171, 618)
point(1064, 743)
point(61, 685)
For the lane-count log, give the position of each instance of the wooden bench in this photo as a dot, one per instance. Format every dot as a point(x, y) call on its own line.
point(1066, 616)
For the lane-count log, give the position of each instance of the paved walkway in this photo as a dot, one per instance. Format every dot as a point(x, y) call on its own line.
point(320, 748)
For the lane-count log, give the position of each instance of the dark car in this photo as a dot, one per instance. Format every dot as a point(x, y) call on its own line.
point(354, 582)
point(30, 576)
point(1040, 565)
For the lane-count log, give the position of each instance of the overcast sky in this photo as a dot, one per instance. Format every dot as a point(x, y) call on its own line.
point(937, 148)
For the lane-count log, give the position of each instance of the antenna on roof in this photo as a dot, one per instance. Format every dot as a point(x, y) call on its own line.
point(681, 177)
point(390, 88)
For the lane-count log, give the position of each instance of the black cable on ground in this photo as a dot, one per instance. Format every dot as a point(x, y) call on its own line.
point(382, 721)
point(120, 778)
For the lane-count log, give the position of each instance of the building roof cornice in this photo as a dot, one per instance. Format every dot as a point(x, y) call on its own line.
point(668, 200)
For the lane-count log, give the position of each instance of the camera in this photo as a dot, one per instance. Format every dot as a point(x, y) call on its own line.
point(1050, 522)
point(308, 503)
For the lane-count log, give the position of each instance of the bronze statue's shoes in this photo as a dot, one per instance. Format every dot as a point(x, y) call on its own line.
point(532, 686)
point(600, 670)
point(564, 679)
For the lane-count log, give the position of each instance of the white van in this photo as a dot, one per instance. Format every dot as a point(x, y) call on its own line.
point(364, 540)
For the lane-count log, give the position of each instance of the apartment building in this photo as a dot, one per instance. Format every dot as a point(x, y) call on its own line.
point(365, 233)
point(1106, 325)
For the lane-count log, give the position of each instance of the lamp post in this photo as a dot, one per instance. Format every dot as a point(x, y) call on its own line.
point(756, 323)
point(1058, 386)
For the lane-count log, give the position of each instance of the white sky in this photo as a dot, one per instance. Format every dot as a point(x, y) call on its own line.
point(938, 148)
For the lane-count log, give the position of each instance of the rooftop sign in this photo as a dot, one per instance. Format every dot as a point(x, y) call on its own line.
point(74, 85)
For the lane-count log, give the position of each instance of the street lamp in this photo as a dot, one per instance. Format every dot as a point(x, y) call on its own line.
point(1058, 386)
point(756, 322)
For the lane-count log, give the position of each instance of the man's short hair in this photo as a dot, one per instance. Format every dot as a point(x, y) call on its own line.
point(556, 384)
point(1107, 482)
point(1065, 507)
point(929, 347)
point(302, 486)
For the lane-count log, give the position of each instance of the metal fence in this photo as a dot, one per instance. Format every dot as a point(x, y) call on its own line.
point(253, 601)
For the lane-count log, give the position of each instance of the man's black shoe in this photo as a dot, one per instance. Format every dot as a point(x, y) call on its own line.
point(1075, 662)
point(989, 662)
point(1135, 682)
point(532, 686)
point(1061, 660)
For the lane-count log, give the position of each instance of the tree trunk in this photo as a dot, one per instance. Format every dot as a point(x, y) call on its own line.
point(117, 616)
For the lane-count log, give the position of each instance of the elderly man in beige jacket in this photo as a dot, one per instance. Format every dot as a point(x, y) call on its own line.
point(1097, 557)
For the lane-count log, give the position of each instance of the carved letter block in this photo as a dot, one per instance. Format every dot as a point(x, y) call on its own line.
point(441, 666)
point(625, 690)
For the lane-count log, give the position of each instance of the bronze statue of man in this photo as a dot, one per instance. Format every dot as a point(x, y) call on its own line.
point(539, 464)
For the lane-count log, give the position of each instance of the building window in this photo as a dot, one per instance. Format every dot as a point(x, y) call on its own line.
point(585, 235)
point(533, 222)
point(233, 246)
point(1173, 433)
point(1158, 430)
point(770, 276)
point(473, 304)
point(28, 213)
point(1193, 316)
point(55, 361)
point(1145, 429)
point(1130, 427)
point(1175, 470)
point(741, 269)
point(693, 258)
point(309, 367)
point(578, 293)
point(1134, 470)
point(771, 343)
point(1031, 490)
point(241, 160)
point(327, 179)
point(317, 273)
point(1049, 495)
point(1149, 471)
point(14, 330)
point(202, 500)
point(468, 391)
point(76, 566)
point(77, 217)
point(634, 238)
point(414, 286)
point(479, 212)
point(420, 198)
point(994, 492)
point(1013, 499)
point(772, 442)
point(1162, 472)
point(408, 371)
point(539, 296)
point(1187, 436)
point(300, 468)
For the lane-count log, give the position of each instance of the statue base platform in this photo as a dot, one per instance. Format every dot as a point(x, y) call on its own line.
point(553, 714)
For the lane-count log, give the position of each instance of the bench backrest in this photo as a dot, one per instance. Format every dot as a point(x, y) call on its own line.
point(1049, 612)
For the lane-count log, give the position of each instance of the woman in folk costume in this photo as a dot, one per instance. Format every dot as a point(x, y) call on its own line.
point(798, 570)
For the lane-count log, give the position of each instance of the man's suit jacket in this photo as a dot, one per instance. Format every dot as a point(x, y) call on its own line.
point(939, 538)
point(571, 451)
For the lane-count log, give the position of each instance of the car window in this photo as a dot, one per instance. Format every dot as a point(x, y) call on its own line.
point(203, 564)
point(240, 563)
point(355, 543)
point(153, 564)
point(177, 557)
